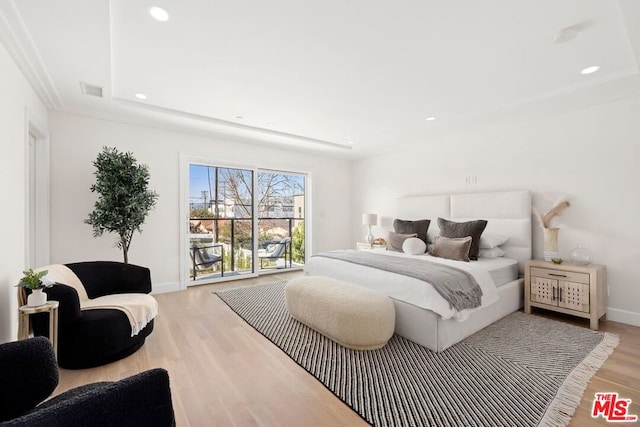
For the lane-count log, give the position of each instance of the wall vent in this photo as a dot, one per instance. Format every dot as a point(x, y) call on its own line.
point(89, 89)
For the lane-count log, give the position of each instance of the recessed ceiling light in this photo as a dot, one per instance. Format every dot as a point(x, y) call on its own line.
point(430, 119)
point(141, 96)
point(590, 70)
point(350, 142)
point(159, 14)
point(239, 117)
point(270, 124)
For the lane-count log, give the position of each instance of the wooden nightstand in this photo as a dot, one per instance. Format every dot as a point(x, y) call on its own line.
point(579, 290)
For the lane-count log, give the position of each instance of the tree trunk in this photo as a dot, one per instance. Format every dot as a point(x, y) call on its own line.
point(125, 248)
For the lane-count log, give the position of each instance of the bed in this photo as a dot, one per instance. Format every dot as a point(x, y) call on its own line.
point(508, 213)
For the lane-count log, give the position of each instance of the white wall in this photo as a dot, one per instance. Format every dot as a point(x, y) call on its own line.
point(17, 96)
point(75, 143)
point(591, 154)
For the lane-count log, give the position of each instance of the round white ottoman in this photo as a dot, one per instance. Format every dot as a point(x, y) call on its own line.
point(351, 315)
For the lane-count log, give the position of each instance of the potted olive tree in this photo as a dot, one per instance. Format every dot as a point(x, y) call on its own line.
point(124, 197)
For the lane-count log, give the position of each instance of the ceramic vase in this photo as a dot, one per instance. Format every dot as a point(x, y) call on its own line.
point(550, 243)
point(36, 298)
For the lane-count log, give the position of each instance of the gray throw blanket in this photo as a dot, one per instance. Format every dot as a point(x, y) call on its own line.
point(458, 287)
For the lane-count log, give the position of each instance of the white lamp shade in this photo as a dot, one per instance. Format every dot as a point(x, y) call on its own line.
point(369, 219)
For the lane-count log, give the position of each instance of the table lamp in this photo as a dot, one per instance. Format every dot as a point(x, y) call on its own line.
point(369, 219)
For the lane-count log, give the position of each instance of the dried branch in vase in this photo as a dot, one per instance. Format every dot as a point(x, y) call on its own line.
point(556, 209)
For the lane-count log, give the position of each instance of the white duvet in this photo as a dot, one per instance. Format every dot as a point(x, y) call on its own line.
point(403, 288)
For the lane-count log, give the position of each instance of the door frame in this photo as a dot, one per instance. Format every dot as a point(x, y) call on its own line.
point(41, 175)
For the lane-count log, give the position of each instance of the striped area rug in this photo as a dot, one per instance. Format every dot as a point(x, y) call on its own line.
point(523, 370)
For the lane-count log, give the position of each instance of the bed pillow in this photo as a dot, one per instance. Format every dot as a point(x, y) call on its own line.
point(418, 227)
point(491, 253)
point(396, 240)
point(472, 229)
point(414, 246)
point(489, 241)
point(455, 248)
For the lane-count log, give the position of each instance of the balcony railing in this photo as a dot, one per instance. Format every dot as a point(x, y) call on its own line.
point(221, 247)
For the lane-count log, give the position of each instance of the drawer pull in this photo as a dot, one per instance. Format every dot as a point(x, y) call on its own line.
point(557, 275)
point(560, 294)
point(553, 296)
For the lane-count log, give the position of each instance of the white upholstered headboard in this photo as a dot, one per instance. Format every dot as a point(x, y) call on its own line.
point(507, 213)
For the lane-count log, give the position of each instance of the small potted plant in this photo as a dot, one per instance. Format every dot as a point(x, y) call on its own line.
point(36, 281)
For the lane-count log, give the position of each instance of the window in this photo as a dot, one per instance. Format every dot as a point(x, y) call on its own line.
point(281, 233)
point(220, 221)
point(234, 230)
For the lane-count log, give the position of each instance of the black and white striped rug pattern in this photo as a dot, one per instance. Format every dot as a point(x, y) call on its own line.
point(508, 374)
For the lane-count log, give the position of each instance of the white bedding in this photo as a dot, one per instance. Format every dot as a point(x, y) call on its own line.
point(502, 270)
point(408, 289)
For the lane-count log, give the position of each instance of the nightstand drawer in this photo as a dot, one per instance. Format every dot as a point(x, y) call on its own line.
point(568, 276)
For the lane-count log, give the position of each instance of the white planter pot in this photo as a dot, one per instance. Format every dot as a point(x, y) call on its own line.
point(36, 298)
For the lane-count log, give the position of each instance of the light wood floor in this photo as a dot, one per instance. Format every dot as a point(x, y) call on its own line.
point(224, 373)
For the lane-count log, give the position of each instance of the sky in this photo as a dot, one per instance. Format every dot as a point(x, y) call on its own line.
point(199, 180)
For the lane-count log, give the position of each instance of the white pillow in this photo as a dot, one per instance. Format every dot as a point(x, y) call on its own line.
point(491, 253)
point(489, 241)
point(414, 246)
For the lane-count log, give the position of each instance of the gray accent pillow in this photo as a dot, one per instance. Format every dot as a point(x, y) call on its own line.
point(456, 248)
point(396, 240)
point(473, 229)
point(418, 227)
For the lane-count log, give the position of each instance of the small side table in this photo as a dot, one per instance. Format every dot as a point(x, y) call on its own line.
point(363, 246)
point(24, 321)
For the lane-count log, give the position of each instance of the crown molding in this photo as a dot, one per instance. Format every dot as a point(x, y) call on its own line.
point(18, 42)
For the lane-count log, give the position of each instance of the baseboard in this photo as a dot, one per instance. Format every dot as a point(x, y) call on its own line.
point(623, 316)
point(165, 287)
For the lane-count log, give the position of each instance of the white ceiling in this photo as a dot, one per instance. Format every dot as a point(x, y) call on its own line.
point(319, 74)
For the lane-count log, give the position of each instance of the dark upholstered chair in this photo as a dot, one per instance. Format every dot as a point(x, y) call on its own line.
point(28, 375)
point(96, 337)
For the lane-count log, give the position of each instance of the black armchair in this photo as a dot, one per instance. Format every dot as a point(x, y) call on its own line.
point(96, 337)
point(28, 375)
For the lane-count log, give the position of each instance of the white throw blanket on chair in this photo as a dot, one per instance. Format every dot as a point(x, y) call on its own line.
point(139, 308)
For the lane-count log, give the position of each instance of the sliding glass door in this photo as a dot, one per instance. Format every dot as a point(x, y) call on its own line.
point(281, 225)
point(220, 222)
point(241, 221)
